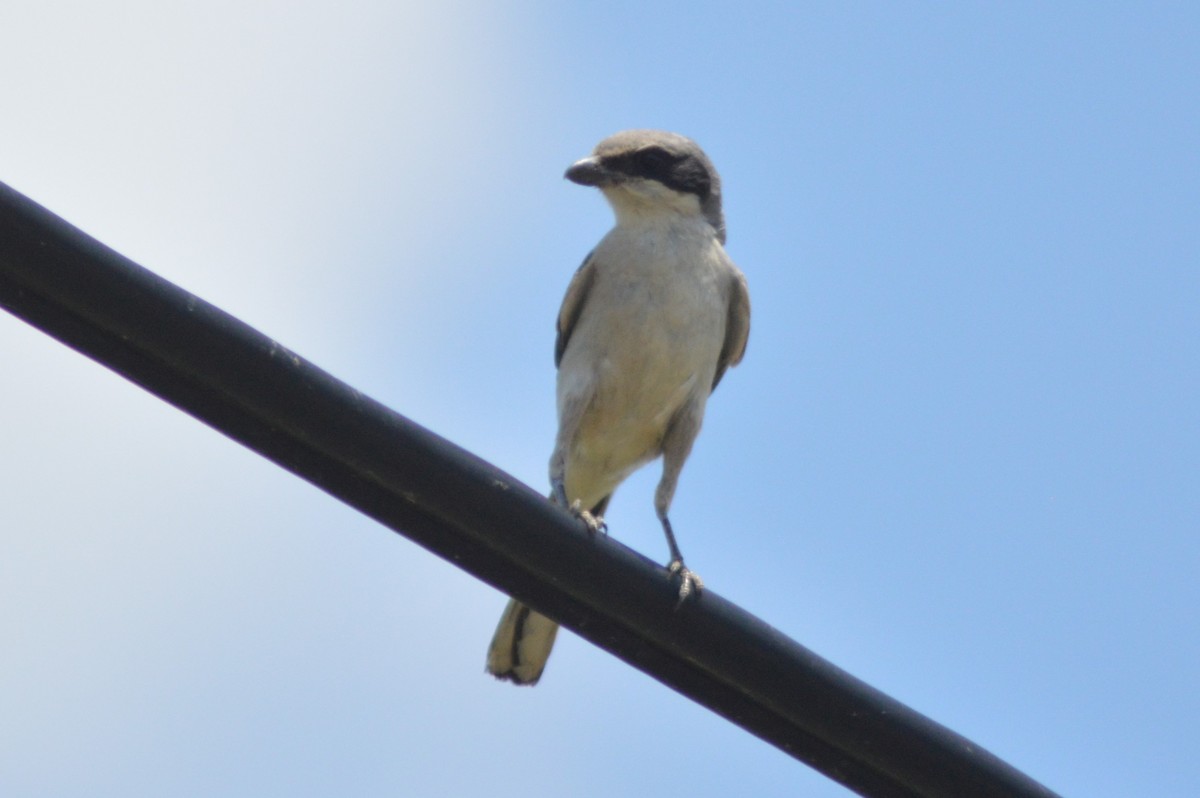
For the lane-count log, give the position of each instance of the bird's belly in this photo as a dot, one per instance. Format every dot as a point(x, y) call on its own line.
point(633, 392)
point(645, 347)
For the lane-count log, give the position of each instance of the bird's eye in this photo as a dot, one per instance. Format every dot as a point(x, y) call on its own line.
point(653, 159)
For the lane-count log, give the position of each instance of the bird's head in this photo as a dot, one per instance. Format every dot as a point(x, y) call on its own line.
point(651, 172)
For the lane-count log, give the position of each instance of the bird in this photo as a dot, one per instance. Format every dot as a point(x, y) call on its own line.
point(650, 323)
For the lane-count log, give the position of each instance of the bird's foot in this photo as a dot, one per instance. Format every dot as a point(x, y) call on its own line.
point(594, 523)
point(689, 581)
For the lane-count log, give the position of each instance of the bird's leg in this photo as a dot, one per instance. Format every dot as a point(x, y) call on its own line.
point(677, 444)
point(558, 494)
point(689, 581)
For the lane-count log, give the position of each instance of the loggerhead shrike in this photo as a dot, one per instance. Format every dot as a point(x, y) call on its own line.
point(651, 320)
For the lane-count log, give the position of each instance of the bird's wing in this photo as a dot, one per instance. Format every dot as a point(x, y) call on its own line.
point(572, 305)
point(737, 326)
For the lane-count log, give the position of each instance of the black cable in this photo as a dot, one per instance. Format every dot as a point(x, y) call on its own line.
point(248, 387)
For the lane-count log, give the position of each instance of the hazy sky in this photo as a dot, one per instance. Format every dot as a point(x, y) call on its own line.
point(961, 458)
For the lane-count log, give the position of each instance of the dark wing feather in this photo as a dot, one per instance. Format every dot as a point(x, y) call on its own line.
point(737, 327)
point(572, 306)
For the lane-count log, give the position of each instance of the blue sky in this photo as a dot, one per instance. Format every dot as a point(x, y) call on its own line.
point(961, 458)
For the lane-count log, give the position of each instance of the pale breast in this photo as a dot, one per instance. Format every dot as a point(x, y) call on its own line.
point(646, 342)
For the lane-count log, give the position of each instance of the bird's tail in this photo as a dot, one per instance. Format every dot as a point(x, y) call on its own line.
point(521, 644)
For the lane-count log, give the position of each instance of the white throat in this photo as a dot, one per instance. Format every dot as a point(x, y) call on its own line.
point(640, 203)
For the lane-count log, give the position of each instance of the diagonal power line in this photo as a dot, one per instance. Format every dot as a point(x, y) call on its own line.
point(467, 511)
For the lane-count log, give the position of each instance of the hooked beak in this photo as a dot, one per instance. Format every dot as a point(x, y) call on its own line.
point(589, 172)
